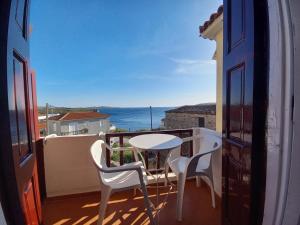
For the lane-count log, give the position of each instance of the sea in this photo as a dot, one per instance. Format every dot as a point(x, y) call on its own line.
point(134, 119)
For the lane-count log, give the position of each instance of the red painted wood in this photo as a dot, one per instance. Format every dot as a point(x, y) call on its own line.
point(41, 168)
point(18, 118)
point(107, 140)
point(37, 194)
point(30, 205)
point(121, 141)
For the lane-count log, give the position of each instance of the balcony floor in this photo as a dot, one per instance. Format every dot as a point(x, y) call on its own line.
point(123, 208)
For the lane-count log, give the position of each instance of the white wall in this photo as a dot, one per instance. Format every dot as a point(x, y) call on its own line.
point(50, 127)
point(2, 219)
point(292, 209)
point(282, 177)
point(217, 158)
point(92, 125)
point(68, 165)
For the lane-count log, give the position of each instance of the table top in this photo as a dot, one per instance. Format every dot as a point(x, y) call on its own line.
point(155, 142)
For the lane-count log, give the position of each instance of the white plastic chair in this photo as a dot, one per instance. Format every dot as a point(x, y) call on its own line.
point(113, 179)
point(198, 165)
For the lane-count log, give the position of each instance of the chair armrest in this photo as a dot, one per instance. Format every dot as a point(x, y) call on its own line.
point(193, 161)
point(122, 169)
point(126, 168)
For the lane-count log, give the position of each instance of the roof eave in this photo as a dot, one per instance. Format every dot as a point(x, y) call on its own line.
point(212, 30)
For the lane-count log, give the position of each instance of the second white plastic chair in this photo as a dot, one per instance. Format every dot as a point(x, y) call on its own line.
point(198, 165)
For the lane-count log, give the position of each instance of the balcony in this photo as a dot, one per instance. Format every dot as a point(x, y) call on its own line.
point(69, 181)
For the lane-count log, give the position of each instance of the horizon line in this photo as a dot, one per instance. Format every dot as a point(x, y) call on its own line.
point(106, 106)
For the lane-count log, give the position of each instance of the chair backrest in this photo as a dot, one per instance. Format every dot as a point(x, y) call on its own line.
point(210, 143)
point(209, 140)
point(98, 153)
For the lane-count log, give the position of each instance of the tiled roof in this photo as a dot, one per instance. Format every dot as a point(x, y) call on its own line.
point(79, 116)
point(56, 117)
point(208, 109)
point(212, 18)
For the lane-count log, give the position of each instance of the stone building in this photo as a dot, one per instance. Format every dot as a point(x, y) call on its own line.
point(202, 115)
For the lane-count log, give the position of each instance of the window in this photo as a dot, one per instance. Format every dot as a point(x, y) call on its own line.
point(100, 123)
point(54, 127)
point(201, 122)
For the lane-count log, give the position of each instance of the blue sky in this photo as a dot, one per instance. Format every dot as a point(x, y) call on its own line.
point(122, 53)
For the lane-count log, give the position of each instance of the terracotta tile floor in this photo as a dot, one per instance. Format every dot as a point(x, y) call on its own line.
point(123, 208)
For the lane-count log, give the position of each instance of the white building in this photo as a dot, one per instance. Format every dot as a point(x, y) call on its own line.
point(73, 123)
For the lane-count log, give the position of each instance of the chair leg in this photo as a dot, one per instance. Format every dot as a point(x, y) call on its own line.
point(147, 204)
point(105, 194)
point(180, 192)
point(166, 174)
point(198, 181)
point(212, 191)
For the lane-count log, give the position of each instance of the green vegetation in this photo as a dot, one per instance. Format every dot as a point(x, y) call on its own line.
point(120, 130)
point(127, 154)
point(116, 145)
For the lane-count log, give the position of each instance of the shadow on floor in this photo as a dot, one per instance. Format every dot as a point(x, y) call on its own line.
point(124, 208)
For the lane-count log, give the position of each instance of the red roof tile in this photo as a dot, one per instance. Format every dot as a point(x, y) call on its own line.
point(79, 116)
point(212, 18)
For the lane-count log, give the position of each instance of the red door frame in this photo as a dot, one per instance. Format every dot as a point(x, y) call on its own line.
point(19, 185)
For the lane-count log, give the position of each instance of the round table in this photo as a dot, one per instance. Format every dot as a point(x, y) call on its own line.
point(156, 143)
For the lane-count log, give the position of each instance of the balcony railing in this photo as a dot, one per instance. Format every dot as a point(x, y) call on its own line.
point(186, 148)
point(65, 162)
point(76, 132)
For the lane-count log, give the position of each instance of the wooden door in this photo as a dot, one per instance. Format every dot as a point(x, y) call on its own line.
point(244, 111)
point(19, 183)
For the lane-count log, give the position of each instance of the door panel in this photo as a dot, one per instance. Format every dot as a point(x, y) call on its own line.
point(20, 96)
point(17, 155)
point(29, 203)
point(236, 90)
point(21, 15)
point(237, 22)
point(244, 111)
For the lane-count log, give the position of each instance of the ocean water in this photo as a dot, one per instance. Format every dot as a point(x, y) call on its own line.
point(133, 119)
